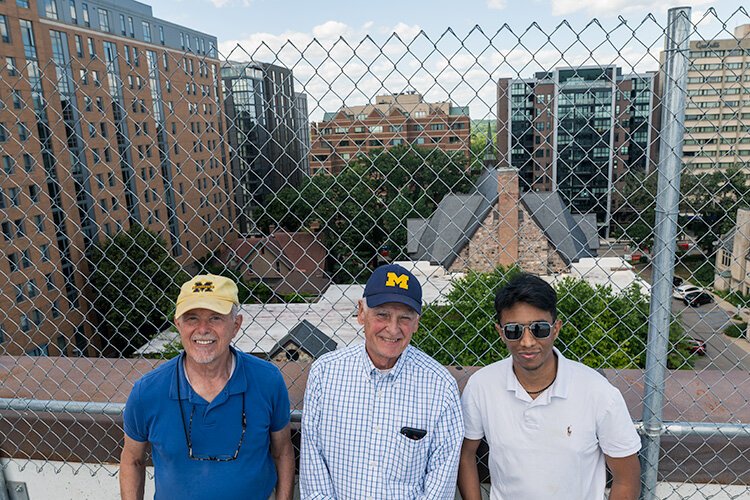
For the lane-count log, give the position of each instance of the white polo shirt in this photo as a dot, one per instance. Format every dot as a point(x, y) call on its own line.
point(552, 446)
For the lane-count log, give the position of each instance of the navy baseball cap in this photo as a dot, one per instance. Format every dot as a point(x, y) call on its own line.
point(393, 283)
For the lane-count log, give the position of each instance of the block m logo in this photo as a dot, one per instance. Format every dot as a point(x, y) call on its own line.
point(400, 280)
point(203, 286)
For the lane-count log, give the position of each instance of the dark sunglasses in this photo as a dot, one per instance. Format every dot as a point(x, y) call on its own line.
point(539, 329)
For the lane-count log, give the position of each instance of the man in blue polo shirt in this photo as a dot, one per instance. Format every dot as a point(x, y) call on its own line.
point(217, 419)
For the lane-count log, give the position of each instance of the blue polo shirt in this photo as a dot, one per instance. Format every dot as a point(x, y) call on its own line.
point(152, 414)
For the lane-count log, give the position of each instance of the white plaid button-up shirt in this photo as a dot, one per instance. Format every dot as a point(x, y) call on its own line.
point(352, 444)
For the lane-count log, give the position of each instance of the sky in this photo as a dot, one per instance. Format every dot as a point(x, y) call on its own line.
point(349, 52)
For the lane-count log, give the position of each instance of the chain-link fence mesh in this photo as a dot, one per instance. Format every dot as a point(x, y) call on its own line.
point(298, 166)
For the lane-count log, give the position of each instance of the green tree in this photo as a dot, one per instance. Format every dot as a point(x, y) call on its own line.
point(135, 282)
point(600, 328)
point(366, 205)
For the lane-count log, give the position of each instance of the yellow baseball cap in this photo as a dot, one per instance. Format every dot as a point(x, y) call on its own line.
point(207, 291)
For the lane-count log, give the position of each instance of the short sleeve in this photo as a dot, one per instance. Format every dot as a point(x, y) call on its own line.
point(280, 398)
point(473, 426)
point(133, 423)
point(615, 430)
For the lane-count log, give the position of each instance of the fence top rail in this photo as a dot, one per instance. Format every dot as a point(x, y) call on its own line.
point(705, 396)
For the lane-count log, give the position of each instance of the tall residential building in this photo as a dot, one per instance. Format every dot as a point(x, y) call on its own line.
point(263, 130)
point(111, 118)
point(717, 118)
point(578, 130)
point(395, 119)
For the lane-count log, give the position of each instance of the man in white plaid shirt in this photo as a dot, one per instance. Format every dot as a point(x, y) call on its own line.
point(381, 421)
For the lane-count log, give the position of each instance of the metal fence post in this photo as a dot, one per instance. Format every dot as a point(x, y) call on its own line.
point(665, 232)
point(3, 485)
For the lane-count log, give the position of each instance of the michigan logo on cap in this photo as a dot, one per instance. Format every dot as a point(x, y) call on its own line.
point(399, 280)
point(203, 286)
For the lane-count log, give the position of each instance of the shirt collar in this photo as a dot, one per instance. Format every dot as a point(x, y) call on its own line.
point(558, 389)
point(394, 373)
point(236, 384)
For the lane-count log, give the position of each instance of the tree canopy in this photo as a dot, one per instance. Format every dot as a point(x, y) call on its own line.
point(601, 328)
point(365, 206)
point(135, 283)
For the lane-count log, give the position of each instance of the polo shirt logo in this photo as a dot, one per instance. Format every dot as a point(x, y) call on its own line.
point(400, 280)
point(203, 286)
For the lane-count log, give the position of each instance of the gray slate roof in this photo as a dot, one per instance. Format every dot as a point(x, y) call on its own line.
point(726, 242)
point(440, 238)
point(308, 338)
point(550, 213)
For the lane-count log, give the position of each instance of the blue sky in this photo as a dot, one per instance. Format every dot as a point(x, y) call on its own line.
point(305, 35)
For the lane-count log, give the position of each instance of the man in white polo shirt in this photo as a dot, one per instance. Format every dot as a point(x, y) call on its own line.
point(551, 423)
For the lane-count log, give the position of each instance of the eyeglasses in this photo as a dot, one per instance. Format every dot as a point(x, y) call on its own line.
point(539, 329)
point(189, 429)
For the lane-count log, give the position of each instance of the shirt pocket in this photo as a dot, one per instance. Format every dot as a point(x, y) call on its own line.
point(409, 459)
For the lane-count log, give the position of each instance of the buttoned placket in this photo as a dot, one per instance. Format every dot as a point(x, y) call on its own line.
point(377, 445)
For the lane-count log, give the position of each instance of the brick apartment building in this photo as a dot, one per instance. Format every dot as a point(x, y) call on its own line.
point(577, 131)
point(394, 120)
point(110, 118)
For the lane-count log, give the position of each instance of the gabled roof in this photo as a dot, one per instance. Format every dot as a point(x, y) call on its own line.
point(726, 242)
point(550, 213)
point(308, 338)
point(587, 223)
point(440, 238)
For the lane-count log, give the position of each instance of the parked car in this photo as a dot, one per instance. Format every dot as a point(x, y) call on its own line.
point(696, 299)
point(696, 346)
point(682, 290)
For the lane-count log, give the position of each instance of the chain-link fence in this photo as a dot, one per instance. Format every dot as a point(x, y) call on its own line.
point(612, 158)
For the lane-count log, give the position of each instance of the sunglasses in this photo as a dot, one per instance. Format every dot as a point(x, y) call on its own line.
point(539, 329)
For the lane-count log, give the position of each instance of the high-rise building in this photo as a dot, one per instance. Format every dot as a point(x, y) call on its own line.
point(717, 134)
point(394, 120)
point(112, 120)
point(578, 130)
point(265, 126)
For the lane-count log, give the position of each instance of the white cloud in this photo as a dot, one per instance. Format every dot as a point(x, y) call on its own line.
point(331, 30)
point(618, 7)
point(496, 4)
point(224, 3)
point(337, 64)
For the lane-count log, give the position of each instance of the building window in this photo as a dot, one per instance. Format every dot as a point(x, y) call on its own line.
point(92, 48)
point(28, 162)
point(161, 35)
point(79, 46)
point(4, 30)
point(122, 25)
point(103, 20)
point(39, 223)
point(85, 14)
point(73, 11)
point(10, 64)
point(131, 27)
point(24, 4)
point(44, 251)
point(726, 258)
point(50, 9)
point(17, 100)
point(13, 262)
point(23, 132)
point(9, 164)
point(146, 31)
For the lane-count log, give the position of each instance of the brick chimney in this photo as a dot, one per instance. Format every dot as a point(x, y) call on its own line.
point(507, 208)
